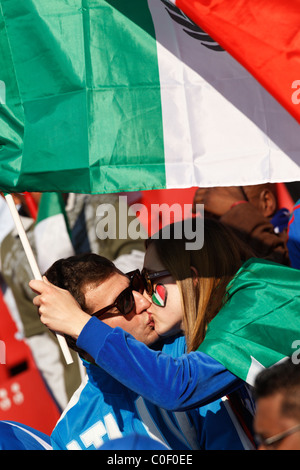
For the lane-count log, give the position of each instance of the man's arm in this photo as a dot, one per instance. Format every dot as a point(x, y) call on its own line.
point(171, 383)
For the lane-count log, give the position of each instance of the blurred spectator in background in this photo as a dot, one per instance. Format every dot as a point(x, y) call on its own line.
point(252, 212)
point(277, 419)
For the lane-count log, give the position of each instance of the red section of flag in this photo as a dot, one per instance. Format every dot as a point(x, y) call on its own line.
point(263, 36)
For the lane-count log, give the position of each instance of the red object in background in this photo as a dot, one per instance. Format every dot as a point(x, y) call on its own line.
point(31, 205)
point(284, 197)
point(150, 216)
point(24, 397)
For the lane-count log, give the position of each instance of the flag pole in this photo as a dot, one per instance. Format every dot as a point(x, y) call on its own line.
point(34, 266)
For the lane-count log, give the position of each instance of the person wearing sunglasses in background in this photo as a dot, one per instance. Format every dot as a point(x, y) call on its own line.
point(102, 408)
point(277, 394)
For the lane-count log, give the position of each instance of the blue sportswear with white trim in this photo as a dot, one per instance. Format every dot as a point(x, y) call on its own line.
point(18, 436)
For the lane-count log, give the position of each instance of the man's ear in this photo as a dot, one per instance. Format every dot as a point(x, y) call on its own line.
point(195, 275)
point(267, 203)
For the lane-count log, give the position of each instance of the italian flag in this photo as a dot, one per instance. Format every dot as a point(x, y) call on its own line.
point(51, 232)
point(260, 322)
point(124, 95)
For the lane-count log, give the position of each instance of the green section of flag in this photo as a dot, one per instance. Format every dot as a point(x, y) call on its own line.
point(51, 204)
point(83, 110)
point(51, 232)
point(11, 116)
point(260, 320)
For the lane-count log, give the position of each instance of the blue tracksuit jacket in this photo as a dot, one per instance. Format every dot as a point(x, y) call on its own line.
point(102, 409)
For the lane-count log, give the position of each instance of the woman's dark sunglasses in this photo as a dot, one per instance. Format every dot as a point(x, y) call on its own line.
point(148, 279)
point(145, 279)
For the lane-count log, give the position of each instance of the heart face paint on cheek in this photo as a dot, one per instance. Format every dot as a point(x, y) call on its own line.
point(159, 296)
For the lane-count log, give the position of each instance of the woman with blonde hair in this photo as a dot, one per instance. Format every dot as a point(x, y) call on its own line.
point(201, 275)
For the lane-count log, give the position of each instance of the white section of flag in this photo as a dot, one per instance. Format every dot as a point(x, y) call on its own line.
point(231, 128)
point(255, 368)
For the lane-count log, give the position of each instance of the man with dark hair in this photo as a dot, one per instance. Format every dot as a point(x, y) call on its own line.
point(102, 408)
point(277, 419)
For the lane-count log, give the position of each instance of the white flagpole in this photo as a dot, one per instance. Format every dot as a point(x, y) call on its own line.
point(33, 264)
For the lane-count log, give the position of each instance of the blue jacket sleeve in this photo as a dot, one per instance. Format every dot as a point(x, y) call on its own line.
point(181, 383)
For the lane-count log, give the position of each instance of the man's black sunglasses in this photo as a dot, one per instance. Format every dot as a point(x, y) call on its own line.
point(124, 303)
